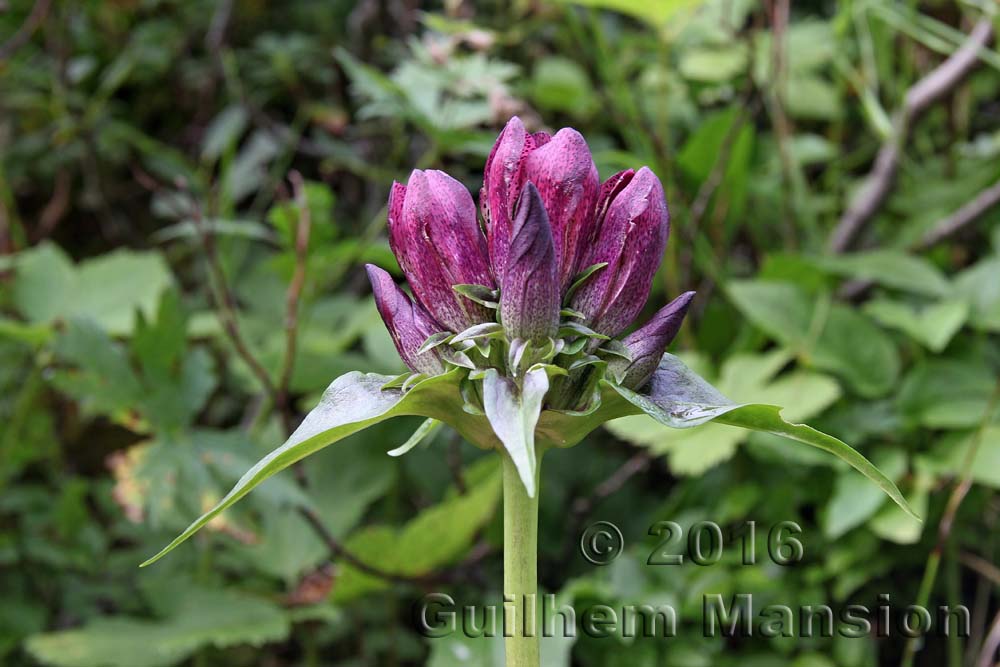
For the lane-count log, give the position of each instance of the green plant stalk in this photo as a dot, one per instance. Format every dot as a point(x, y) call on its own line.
point(520, 561)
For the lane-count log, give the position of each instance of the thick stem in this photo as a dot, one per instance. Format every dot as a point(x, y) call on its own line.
point(520, 558)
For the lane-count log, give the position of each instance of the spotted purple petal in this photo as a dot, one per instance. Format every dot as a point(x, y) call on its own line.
point(648, 343)
point(408, 323)
point(632, 229)
point(435, 236)
point(566, 177)
point(502, 182)
point(529, 293)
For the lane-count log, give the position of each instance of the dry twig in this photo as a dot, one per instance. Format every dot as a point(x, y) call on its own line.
point(987, 655)
point(955, 499)
point(226, 305)
point(944, 229)
point(632, 467)
point(928, 90)
point(293, 297)
point(962, 218)
point(27, 29)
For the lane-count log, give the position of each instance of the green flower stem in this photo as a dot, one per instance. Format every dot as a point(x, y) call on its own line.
point(520, 559)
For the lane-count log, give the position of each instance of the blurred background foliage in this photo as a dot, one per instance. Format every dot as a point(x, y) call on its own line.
point(155, 250)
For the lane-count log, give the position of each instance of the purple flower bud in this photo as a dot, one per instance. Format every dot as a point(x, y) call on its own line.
point(632, 228)
point(435, 236)
point(648, 343)
point(502, 182)
point(566, 177)
point(529, 292)
point(408, 323)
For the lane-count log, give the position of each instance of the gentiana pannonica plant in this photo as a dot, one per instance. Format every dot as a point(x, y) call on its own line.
point(513, 335)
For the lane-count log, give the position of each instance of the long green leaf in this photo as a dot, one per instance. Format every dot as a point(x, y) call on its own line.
point(351, 403)
point(677, 397)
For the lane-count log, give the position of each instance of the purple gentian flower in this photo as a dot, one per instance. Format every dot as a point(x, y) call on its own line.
point(501, 292)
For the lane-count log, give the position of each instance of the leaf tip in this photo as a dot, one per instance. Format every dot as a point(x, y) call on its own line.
point(149, 561)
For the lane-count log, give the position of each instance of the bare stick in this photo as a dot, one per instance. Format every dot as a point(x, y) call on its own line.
point(217, 28)
point(633, 466)
point(226, 305)
point(990, 646)
point(944, 229)
point(293, 297)
point(27, 29)
point(878, 184)
point(776, 95)
point(714, 180)
point(338, 550)
point(56, 208)
point(708, 188)
point(958, 494)
point(962, 218)
point(986, 569)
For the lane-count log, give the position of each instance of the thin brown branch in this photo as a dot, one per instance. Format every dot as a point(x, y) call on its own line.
point(476, 555)
point(338, 550)
point(6, 238)
point(925, 92)
point(942, 230)
point(56, 207)
point(965, 483)
point(714, 180)
point(226, 306)
point(27, 29)
point(984, 587)
point(955, 499)
point(293, 297)
point(983, 567)
point(632, 467)
point(711, 184)
point(988, 654)
point(962, 218)
point(780, 14)
point(216, 34)
point(583, 505)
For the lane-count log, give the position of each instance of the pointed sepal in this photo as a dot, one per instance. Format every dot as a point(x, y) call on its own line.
point(513, 409)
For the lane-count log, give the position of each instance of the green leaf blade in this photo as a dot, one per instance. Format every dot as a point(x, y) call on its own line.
point(351, 403)
point(767, 418)
point(680, 398)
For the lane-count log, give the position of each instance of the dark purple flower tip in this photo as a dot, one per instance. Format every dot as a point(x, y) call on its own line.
point(564, 172)
point(632, 228)
point(408, 323)
point(529, 292)
point(648, 343)
point(436, 238)
point(502, 182)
